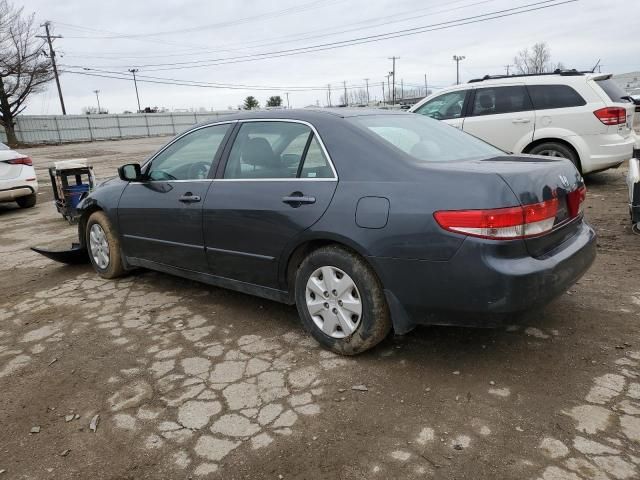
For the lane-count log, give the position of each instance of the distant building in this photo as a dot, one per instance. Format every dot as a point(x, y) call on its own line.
point(630, 82)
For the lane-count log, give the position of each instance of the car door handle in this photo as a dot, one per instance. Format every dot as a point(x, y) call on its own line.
point(297, 200)
point(189, 198)
point(521, 120)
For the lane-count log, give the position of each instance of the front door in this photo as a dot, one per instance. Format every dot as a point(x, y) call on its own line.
point(160, 218)
point(277, 182)
point(502, 116)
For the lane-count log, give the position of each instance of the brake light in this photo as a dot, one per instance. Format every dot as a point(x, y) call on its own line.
point(575, 201)
point(501, 223)
point(612, 115)
point(21, 161)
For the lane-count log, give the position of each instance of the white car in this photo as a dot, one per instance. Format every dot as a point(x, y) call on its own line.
point(585, 117)
point(17, 178)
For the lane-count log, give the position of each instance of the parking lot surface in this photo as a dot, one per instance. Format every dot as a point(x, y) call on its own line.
point(153, 376)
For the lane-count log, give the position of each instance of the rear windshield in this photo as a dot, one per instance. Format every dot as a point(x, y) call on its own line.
point(4, 147)
point(425, 139)
point(613, 90)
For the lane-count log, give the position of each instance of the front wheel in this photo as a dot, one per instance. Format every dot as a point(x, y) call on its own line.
point(103, 246)
point(341, 301)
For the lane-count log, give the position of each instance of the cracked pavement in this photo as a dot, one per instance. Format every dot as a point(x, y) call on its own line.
point(191, 381)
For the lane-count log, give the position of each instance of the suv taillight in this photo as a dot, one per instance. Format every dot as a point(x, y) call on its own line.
point(612, 115)
point(21, 161)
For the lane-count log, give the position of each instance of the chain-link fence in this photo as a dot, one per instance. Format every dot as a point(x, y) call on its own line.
point(40, 129)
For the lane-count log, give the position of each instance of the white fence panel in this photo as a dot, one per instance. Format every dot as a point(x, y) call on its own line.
point(42, 129)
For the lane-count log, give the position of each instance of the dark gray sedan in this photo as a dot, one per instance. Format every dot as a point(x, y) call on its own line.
point(366, 220)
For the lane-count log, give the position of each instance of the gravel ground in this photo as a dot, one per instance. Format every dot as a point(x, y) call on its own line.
point(182, 380)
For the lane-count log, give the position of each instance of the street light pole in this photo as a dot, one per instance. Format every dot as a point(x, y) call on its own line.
point(98, 99)
point(287, 94)
point(458, 59)
point(135, 83)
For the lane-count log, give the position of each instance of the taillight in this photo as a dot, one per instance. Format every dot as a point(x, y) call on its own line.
point(612, 115)
point(501, 223)
point(575, 201)
point(21, 161)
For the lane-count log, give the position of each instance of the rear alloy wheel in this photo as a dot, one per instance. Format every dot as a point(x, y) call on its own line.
point(103, 246)
point(341, 302)
point(28, 201)
point(554, 149)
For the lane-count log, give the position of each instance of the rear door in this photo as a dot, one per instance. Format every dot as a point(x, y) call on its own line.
point(502, 116)
point(277, 181)
point(160, 218)
point(448, 107)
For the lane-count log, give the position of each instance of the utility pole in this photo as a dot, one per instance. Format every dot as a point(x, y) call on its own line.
point(329, 93)
point(383, 100)
point(135, 83)
point(52, 55)
point(401, 89)
point(98, 99)
point(388, 88)
point(426, 90)
point(346, 98)
point(367, 82)
point(507, 67)
point(458, 59)
point(287, 94)
point(393, 73)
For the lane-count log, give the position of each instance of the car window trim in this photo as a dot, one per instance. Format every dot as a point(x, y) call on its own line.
point(216, 158)
point(222, 165)
point(303, 158)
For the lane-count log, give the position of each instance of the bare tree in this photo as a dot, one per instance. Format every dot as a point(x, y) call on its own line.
point(535, 60)
point(23, 68)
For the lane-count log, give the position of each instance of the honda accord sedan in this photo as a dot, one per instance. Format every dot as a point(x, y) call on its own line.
point(365, 220)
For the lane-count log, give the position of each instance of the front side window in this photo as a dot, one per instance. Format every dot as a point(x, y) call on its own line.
point(424, 140)
point(276, 150)
point(445, 106)
point(497, 100)
point(190, 157)
point(554, 96)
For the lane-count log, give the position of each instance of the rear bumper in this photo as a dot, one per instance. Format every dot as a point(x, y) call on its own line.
point(11, 194)
point(483, 281)
point(607, 151)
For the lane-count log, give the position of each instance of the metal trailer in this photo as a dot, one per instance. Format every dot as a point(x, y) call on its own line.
point(71, 181)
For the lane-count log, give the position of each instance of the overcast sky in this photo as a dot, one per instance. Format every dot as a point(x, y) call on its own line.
point(117, 35)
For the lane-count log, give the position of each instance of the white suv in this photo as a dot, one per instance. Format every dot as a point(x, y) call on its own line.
point(584, 117)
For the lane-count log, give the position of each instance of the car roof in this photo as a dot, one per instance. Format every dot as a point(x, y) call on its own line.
point(303, 114)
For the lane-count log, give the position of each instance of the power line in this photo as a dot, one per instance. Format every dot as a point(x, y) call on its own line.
point(540, 5)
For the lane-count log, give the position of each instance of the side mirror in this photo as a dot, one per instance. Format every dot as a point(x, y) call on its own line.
point(130, 172)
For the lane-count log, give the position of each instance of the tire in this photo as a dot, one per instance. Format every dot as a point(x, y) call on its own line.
point(360, 285)
point(555, 149)
point(27, 202)
point(104, 247)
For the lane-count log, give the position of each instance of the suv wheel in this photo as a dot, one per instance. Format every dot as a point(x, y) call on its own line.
point(341, 301)
point(28, 201)
point(103, 246)
point(554, 149)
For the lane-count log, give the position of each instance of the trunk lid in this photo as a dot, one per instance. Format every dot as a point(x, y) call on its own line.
point(535, 179)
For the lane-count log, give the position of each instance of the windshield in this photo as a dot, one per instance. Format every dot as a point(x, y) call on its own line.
point(426, 140)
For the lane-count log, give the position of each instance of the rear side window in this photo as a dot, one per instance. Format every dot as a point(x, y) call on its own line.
point(613, 90)
point(554, 96)
point(276, 150)
point(496, 100)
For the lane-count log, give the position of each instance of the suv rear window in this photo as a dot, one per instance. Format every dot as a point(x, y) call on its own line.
point(495, 100)
point(613, 90)
point(554, 96)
